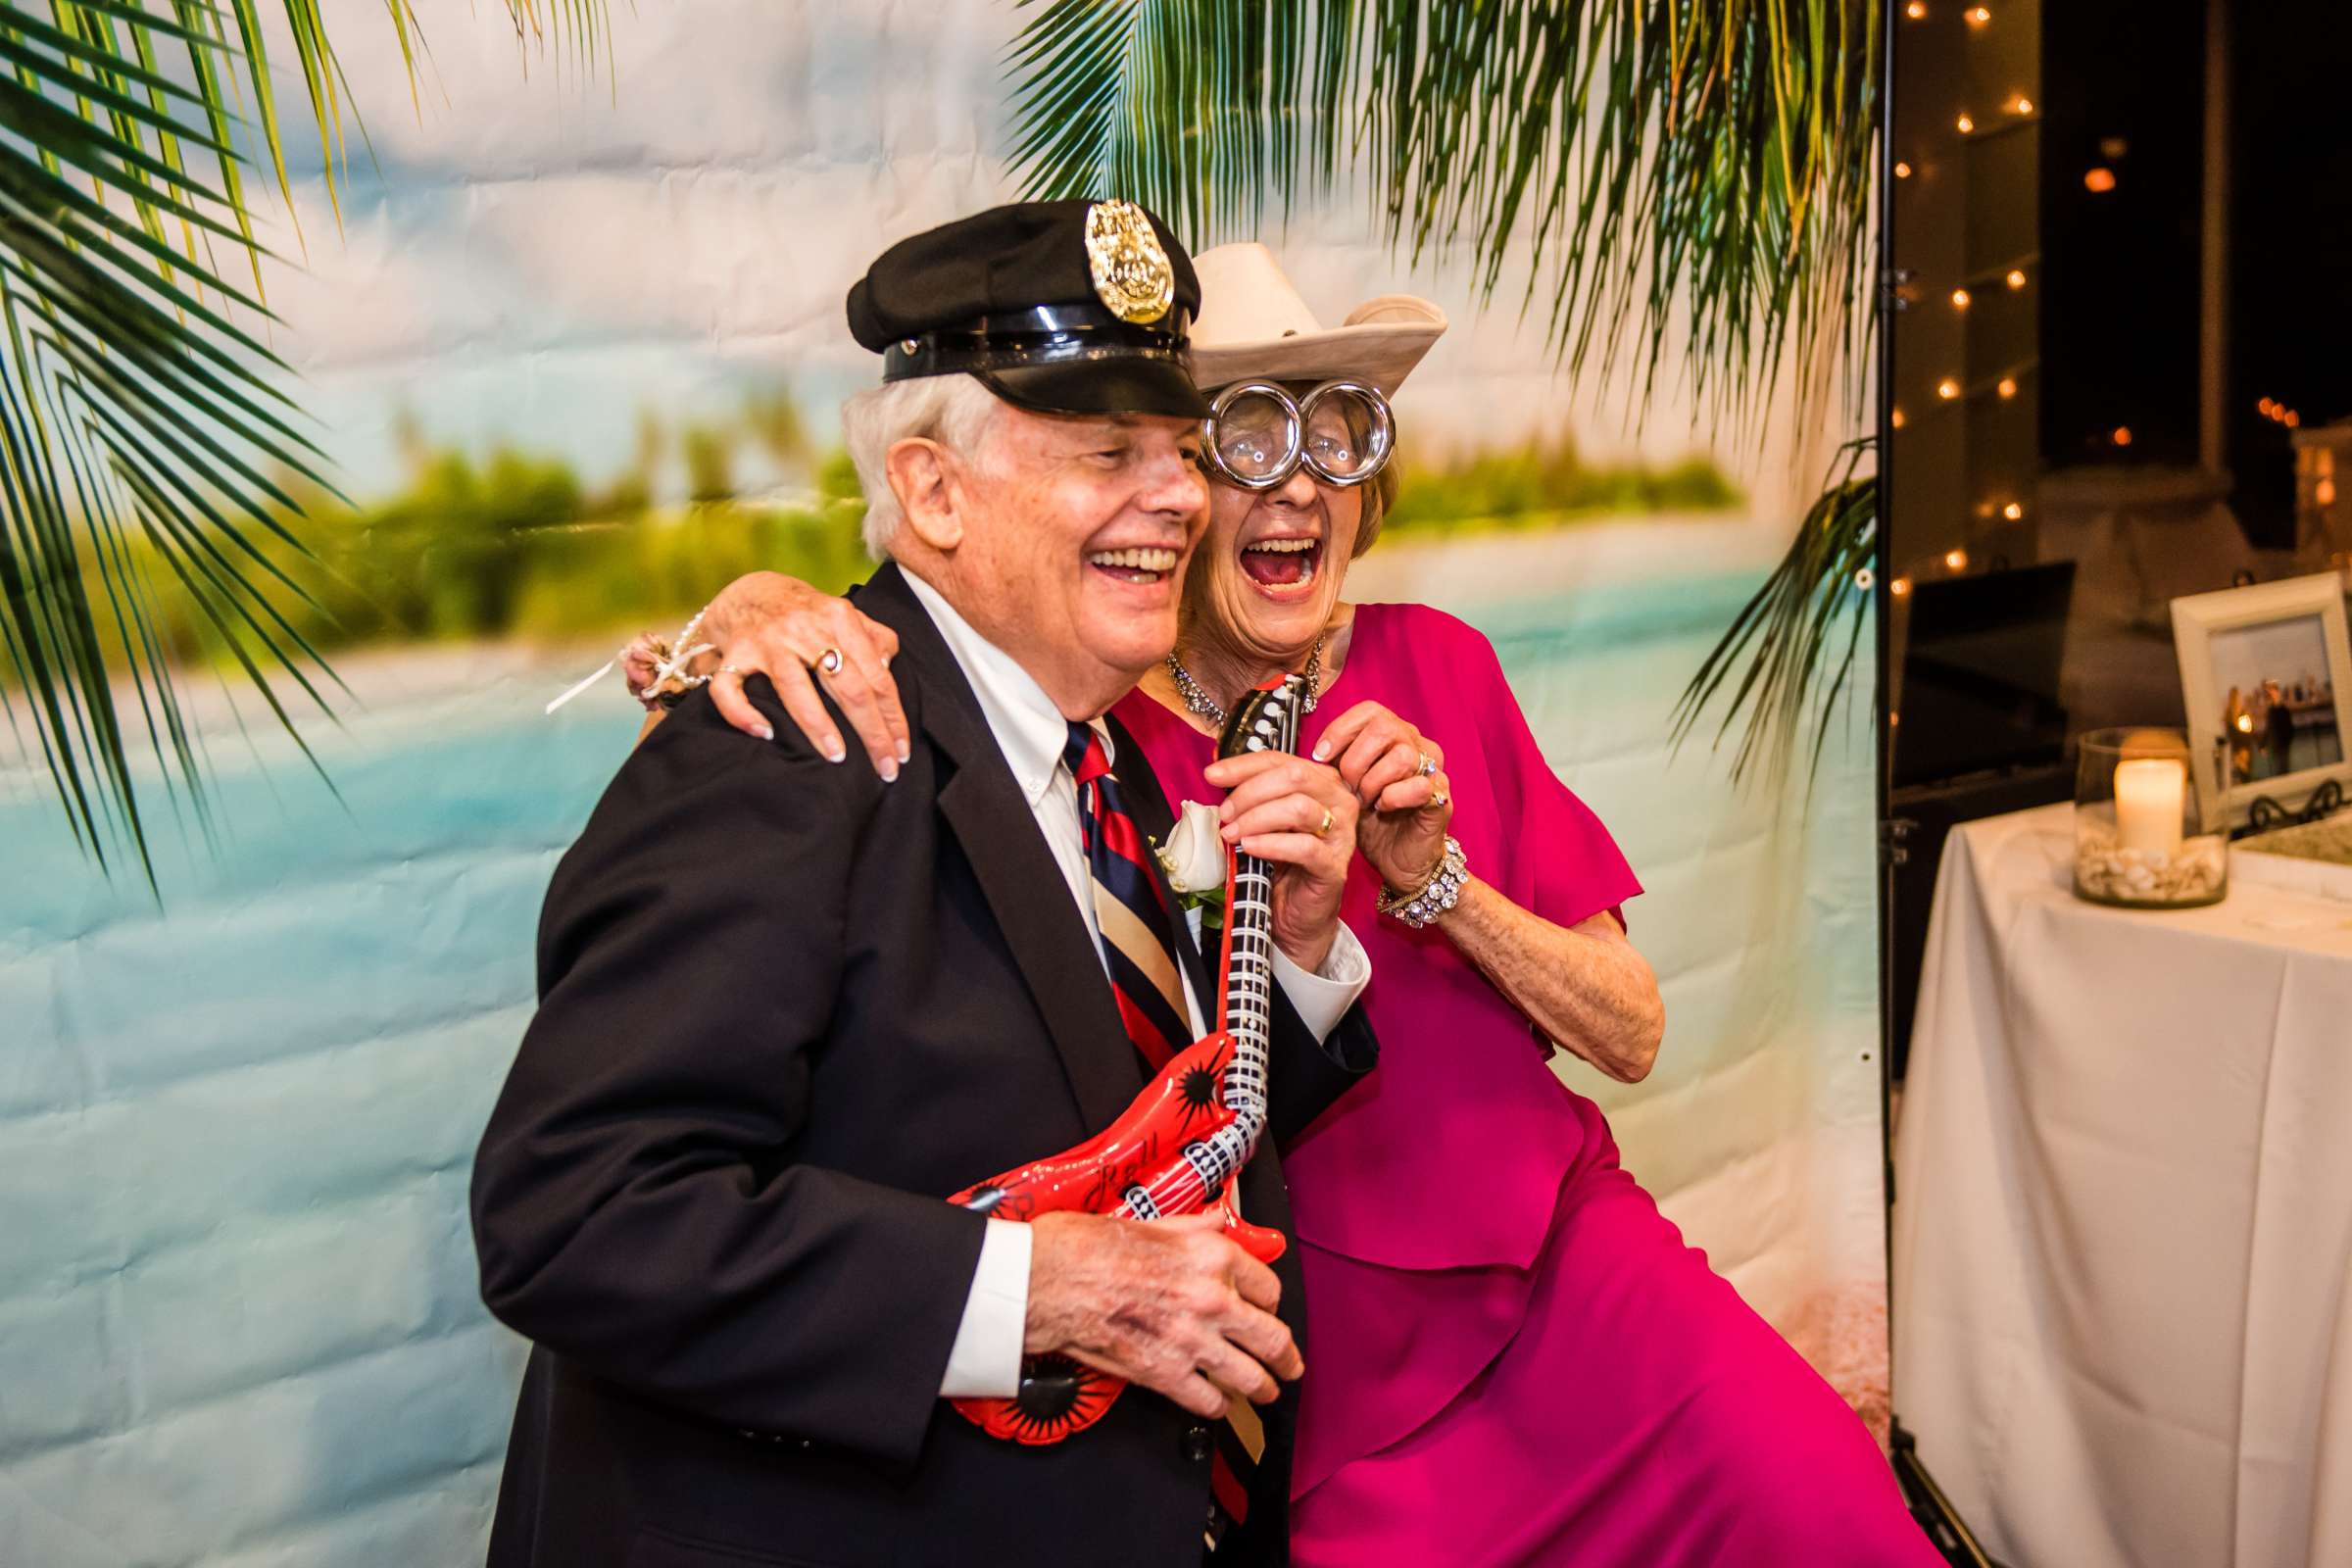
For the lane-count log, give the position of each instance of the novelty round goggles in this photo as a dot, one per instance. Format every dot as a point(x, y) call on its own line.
point(1257, 435)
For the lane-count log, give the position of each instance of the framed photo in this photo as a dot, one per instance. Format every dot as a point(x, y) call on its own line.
point(2266, 673)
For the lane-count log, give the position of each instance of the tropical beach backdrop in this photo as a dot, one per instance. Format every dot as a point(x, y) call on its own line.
point(570, 336)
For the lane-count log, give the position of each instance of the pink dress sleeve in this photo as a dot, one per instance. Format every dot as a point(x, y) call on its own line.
point(1563, 863)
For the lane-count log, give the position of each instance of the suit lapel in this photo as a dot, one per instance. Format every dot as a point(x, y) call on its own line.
point(1025, 890)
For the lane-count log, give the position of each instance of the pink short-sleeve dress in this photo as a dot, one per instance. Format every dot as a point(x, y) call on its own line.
point(1512, 1356)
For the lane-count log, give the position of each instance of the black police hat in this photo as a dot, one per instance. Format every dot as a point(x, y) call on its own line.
point(1066, 306)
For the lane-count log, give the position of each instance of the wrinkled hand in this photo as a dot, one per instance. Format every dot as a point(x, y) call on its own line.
point(779, 626)
point(1302, 817)
point(1172, 1304)
point(1401, 830)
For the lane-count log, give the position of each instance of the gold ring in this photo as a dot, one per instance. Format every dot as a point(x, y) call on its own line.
point(1429, 764)
point(1325, 826)
point(1440, 798)
point(829, 661)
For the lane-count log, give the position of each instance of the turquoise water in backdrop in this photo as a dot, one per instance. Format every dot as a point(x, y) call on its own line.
point(237, 1291)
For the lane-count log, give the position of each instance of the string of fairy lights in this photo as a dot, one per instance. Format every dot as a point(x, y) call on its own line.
point(1954, 391)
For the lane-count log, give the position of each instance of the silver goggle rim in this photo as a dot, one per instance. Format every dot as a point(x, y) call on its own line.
point(1297, 414)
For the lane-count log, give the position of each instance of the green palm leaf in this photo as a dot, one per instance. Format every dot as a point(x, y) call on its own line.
point(144, 426)
point(1690, 182)
point(1679, 171)
point(1187, 107)
point(1789, 632)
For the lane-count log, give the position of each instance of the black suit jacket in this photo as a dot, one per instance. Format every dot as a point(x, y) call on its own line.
point(785, 1010)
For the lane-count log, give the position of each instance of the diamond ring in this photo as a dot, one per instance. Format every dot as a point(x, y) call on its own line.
point(1429, 764)
point(829, 661)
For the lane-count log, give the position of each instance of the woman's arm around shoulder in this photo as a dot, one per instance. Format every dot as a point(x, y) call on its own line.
point(829, 663)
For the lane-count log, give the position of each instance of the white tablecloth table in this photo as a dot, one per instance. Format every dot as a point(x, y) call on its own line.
point(2122, 1234)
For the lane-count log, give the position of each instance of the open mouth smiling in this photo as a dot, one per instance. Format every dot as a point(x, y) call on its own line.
point(1282, 563)
point(1148, 563)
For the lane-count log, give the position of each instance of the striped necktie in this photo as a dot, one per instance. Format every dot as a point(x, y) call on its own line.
point(1139, 946)
point(1138, 939)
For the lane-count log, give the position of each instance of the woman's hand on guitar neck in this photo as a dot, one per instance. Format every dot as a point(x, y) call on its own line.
point(1300, 816)
point(1172, 1304)
point(767, 623)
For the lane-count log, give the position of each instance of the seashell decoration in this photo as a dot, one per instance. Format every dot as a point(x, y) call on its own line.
point(2108, 871)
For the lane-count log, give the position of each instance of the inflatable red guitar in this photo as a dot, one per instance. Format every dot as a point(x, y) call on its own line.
point(1178, 1148)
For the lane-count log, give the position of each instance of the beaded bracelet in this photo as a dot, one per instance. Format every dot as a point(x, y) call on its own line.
point(1435, 897)
point(669, 682)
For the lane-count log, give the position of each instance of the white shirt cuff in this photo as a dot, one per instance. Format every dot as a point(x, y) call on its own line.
point(985, 1361)
point(1322, 998)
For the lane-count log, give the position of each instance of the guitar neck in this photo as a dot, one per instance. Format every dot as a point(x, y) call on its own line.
point(1249, 949)
point(1266, 719)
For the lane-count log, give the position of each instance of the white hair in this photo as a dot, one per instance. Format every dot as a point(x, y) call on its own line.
point(954, 411)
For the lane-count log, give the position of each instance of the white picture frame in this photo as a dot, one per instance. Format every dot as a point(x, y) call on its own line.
point(2216, 633)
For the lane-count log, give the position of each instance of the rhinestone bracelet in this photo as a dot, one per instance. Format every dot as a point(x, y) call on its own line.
point(1438, 894)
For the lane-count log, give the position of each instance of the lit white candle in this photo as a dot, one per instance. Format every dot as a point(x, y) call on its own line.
point(2150, 793)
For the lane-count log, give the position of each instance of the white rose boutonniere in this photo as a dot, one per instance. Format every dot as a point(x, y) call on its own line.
point(1195, 855)
point(1194, 859)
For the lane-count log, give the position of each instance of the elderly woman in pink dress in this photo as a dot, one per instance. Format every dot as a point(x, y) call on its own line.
point(1512, 1356)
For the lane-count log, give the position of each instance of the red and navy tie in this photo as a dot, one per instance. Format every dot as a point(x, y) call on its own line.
point(1139, 946)
point(1138, 936)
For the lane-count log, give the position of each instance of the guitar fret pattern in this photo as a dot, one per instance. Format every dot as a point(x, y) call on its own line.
point(1209, 1164)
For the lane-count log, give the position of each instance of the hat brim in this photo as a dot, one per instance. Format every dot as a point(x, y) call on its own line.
point(1381, 353)
point(1114, 385)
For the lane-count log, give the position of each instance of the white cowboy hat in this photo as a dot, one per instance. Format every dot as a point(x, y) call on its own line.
point(1254, 326)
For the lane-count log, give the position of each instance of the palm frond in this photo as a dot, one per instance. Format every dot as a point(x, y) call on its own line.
point(1679, 173)
point(1788, 632)
point(1689, 181)
point(582, 28)
point(146, 429)
point(1183, 106)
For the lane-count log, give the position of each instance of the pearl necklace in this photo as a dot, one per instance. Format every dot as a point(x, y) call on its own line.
point(1203, 706)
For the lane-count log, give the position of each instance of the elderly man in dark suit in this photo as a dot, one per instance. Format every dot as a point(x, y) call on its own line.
point(787, 1006)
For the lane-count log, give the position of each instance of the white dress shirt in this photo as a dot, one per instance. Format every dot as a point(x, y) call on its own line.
point(985, 1361)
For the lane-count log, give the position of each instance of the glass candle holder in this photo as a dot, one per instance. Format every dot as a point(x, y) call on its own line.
point(2140, 840)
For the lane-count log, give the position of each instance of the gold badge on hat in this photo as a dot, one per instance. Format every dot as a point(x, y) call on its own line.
point(1132, 275)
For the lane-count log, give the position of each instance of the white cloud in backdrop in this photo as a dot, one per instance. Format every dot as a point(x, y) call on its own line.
point(542, 249)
